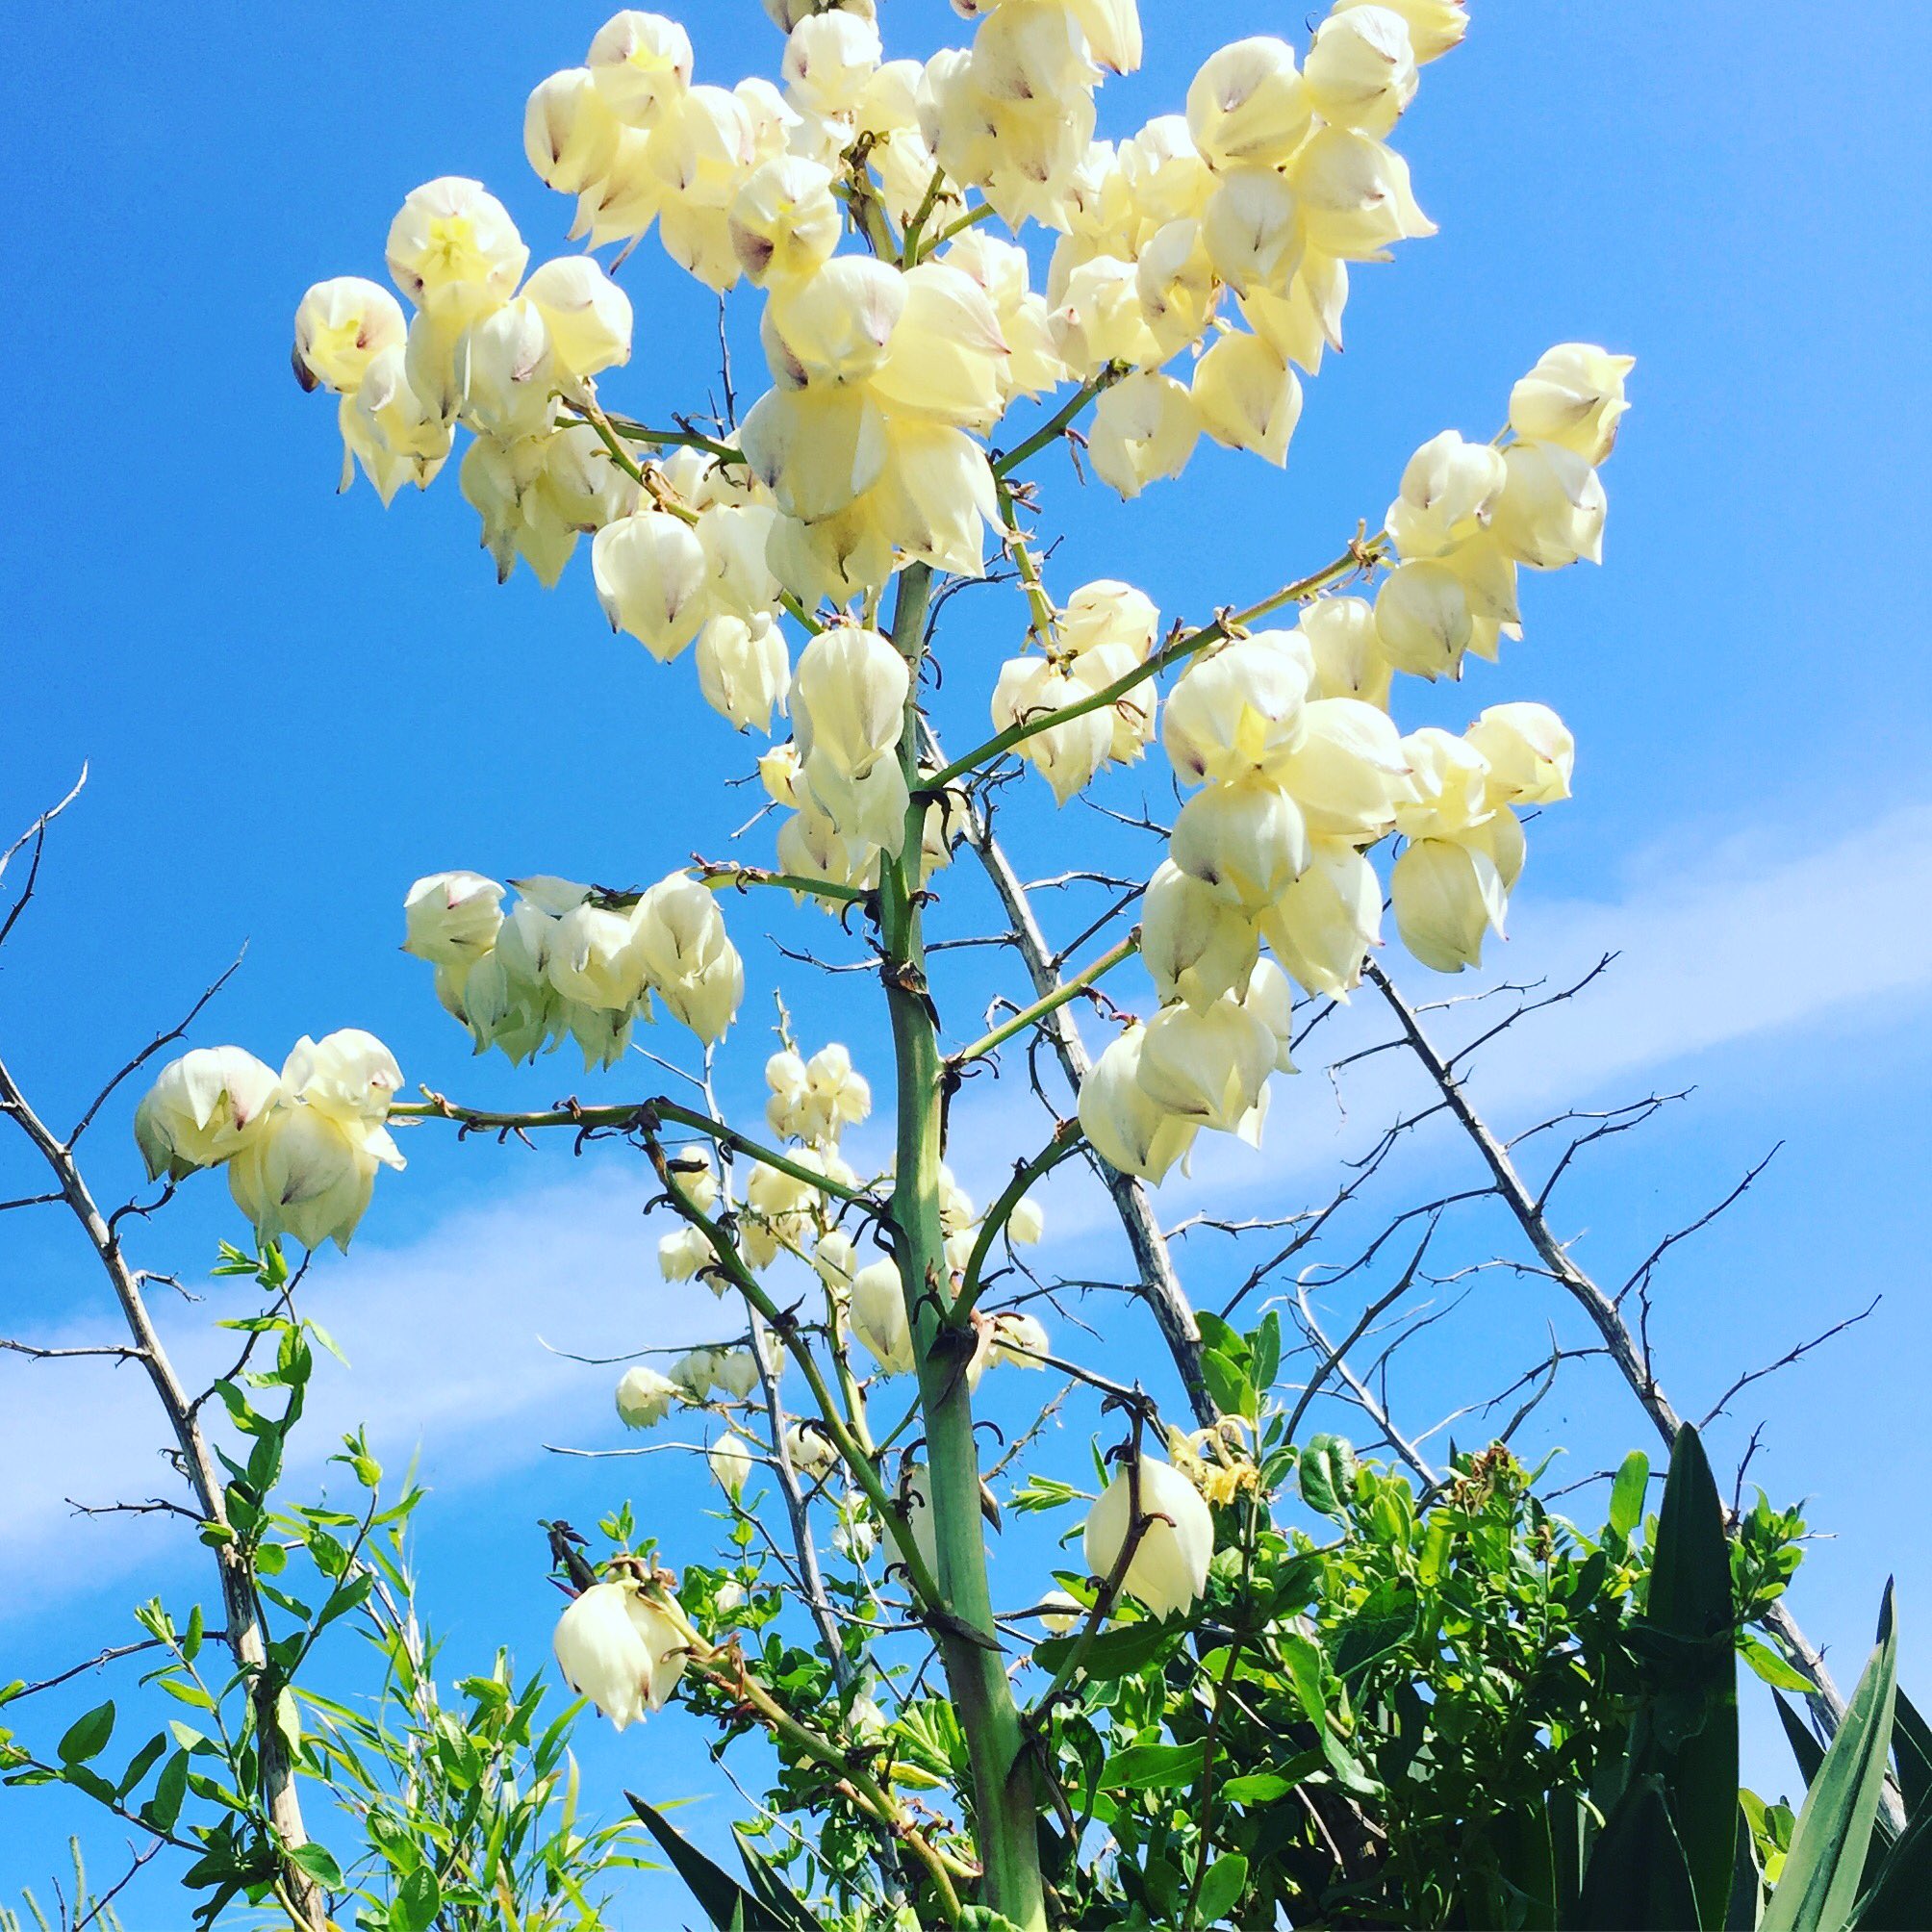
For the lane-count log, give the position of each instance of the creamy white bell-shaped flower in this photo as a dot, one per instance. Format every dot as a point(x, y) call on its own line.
point(1098, 670)
point(1322, 928)
point(340, 326)
point(1239, 712)
point(453, 241)
point(309, 1173)
point(1099, 318)
point(391, 430)
point(1248, 104)
point(785, 223)
point(1167, 1571)
point(701, 150)
point(1529, 750)
point(1107, 612)
point(1208, 1065)
point(1450, 780)
point(947, 358)
point(1423, 619)
point(642, 62)
point(593, 957)
point(1574, 396)
point(835, 325)
point(1247, 840)
point(937, 497)
point(816, 1100)
point(625, 201)
point(1448, 895)
point(1026, 1224)
point(452, 917)
point(815, 450)
point(651, 576)
point(736, 540)
point(877, 1309)
point(619, 1651)
point(1026, 55)
point(695, 1372)
point(849, 697)
point(1270, 999)
point(1144, 427)
point(738, 1372)
point(809, 1451)
point(202, 1108)
point(1355, 195)
point(1247, 397)
point(699, 238)
point(684, 1255)
point(1349, 660)
point(644, 1397)
point(743, 671)
point(1112, 30)
point(1435, 26)
point(1552, 508)
point(1450, 492)
point(1349, 772)
point(1061, 1612)
point(1017, 1339)
point(1122, 1123)
point(569, 134)
point(687, 955)
point(828, 59)
point(1066, 755)
point(1361, 68)
point(349, 1074)
point(1177, 284)
point(506, 373)
point(781, 1207)
point(694, 1177)
point(1195, 944)
point(1252, 230)
point(588, 316)
point(1166, 177)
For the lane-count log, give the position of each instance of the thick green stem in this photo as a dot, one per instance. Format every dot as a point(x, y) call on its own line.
point(1003, 1801)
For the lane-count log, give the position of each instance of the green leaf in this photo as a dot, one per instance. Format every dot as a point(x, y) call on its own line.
point(1267, 1358)
point(1384, 1623)
point(1912, 1746)
point(1328, 1473)
point(1820, 1880)
point(1746, 1881)
point(1628, 1491)
point(1114, 1653)
point(1232, 1393)
point(1148, 1767)
point(86, 1736)
point(1694, 1745)
point(726, 1903)
point(319, 1861)
point(169, 1789)
point(1805, 1747)
point(419, 1899)
point(1227, 1878)
point(1900, 1898)
point(772, 1890)
point(1771, 1666)
point(1638, 1880)
point(141, 1763)
point(1256, 1788)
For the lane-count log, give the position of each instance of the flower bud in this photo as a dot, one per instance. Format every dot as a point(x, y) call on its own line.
point(743, 671)
point(815, 1100)
point(453, 242)
point(1196, 945)
point(878, 1317)
point(1355, 195)
point(1247, 840)
point(1322, 926)
point(202, 1108)
point(785, 223)
point(1574, 396)
point(619, 1651)
point(649, 573)
point(1247, 397)
point(587, 314)
point(1208, 1066)
point(1122, 1123)
point(642, 62)
point(1168, 1569)
point(1349, 659)
point(1360, 69)
point(644, 1397)
point(1145, 426)
point(1435, 26)
point(1530, 752)
point(569, 134)
point(341, 327)
point(828, 59)
point(1248, 104)
point(1552, 508)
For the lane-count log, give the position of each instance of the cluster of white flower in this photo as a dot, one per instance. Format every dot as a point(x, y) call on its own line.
point(571, 961)
point(301, 1147)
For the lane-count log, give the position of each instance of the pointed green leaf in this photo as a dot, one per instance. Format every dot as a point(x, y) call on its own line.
point(87, 1736)
point(1627, 1492)
point(1820, 1882)
point(1746, 1881)
point(771, 1888)
point(419, 1899)
point(726, 1903)
point(1912, 1748)
point(1900, 1897)
point(1227, 1878)
point(1638, 1880)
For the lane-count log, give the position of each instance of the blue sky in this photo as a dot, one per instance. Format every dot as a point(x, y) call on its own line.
point(293, 704)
